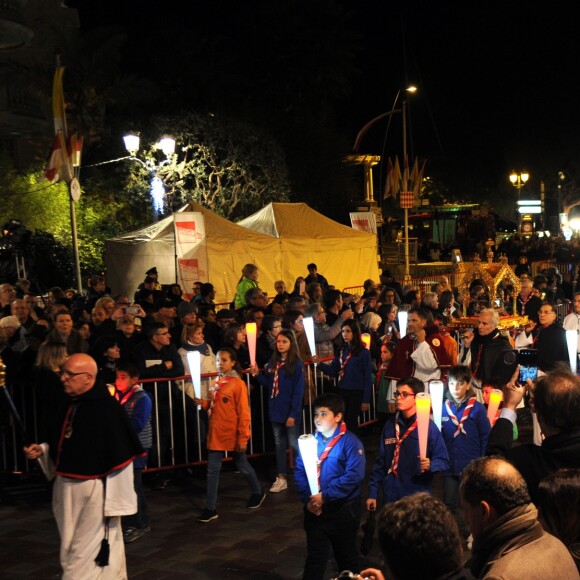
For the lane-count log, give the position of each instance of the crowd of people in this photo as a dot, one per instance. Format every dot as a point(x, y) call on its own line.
point(80, 354)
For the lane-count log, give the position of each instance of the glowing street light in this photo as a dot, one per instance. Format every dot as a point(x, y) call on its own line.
point(519, 180)
point(157, 188)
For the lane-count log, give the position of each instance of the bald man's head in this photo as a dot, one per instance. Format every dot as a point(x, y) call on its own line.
point(78, 374)
point(495, 481)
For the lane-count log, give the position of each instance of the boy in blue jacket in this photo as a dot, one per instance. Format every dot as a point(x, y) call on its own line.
point(465, 429)
point(332, 516)
point(398, 469)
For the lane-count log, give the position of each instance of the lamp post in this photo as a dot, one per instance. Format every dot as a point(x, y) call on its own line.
point(405, 183)
point(157, 189)
point(519, 180)
point(369, 161)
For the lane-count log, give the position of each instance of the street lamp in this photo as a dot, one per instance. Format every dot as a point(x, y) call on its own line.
point(519, 180)
point(405, 184)
point(372, 160)
point(157, 188)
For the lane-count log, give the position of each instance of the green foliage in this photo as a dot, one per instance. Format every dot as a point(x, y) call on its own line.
point(228, 166)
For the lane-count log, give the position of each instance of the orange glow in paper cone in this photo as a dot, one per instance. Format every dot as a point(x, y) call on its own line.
point(251, 337)
point(495, 398)
point(423, 402)
point(366, 338)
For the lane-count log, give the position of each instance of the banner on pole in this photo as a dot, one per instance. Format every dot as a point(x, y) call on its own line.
point(407, 199)
point(364, 220)
point(190, 249)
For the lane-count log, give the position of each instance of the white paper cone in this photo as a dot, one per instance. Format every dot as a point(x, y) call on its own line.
point(436, 392)
point(572, 341)
point(308, 323)
point(194, 362)
point(402, 317)
point(309, 451)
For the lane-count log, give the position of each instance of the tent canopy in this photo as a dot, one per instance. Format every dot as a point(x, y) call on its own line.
point(229, 248)
point(281, 239)
point(345, 256)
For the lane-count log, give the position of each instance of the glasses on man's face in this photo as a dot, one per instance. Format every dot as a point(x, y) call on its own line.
point(403, 395)
point(70, 375)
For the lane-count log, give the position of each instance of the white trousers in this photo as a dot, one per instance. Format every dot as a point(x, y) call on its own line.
point(78, 508)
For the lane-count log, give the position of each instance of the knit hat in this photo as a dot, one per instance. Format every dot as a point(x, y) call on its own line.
point(152, 271)
point(185, 308)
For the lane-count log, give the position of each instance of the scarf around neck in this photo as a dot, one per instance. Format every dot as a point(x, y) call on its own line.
point(513, 530)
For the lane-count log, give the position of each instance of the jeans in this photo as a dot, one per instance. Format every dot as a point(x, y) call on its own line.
point(214, 467)
point(284, 437)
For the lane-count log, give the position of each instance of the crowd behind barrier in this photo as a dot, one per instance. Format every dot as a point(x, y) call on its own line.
point(187, 425)
point(186, 428)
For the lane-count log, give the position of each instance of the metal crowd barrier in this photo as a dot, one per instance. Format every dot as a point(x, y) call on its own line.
point(179, 427)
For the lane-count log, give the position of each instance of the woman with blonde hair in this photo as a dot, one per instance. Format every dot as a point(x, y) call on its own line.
point(48, 387)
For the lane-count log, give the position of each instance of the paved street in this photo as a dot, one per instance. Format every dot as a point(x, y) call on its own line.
point(263, 544)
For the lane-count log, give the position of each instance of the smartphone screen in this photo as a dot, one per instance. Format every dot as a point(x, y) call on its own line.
point(528, 361)
point(527, 373)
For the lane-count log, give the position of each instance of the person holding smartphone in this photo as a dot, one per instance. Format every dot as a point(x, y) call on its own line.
point(548, 337)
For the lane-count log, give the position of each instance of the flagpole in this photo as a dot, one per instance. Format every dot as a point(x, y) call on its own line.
point(407, 277)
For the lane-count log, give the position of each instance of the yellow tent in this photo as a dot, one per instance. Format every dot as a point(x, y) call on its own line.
point(281, 239)
point(345, 256)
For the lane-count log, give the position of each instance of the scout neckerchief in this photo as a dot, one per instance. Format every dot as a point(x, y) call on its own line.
point(216, 391)
point(328, 449)
point(343, 364)
point(398, 442)
point(275, 387)
point(128, 395)
point(384, 366)
point(466, 412)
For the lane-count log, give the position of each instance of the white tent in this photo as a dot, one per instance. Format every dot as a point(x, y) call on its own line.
point(229, 248)
point(345, 256)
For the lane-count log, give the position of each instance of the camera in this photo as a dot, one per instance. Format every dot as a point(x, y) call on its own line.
point(132, 310)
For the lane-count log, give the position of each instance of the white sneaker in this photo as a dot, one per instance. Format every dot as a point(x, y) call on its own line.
point(279, 485)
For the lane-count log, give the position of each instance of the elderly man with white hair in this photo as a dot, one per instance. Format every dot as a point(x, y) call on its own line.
point(488, 347)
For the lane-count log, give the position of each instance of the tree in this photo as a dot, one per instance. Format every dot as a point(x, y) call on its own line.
point(228, 166)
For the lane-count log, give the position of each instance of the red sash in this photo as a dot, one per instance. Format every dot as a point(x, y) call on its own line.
point(328, 449)
point(343, 364)
point(275, 387)
point(398, 442)
point(466, 412)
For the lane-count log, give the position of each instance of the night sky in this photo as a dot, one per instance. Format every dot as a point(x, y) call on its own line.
point(498, 80)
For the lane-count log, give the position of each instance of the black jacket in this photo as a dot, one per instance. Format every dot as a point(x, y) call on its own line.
point(533, 462)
